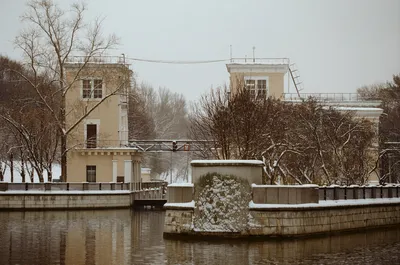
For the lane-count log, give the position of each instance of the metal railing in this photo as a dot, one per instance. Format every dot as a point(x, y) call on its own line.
point(79, 186)
point(284, 61)
point(338, 97)
point(64, 186)
point(103, 144)
point(97, 59)
point(358, 192)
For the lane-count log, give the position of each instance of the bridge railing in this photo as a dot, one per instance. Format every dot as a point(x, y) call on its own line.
point(335, 97)
point(97, 59)
point(358, 192)
point(283, 61)
point(78, 186)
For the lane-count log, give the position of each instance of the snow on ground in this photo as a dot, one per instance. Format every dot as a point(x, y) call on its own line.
point(180, 205)
point(173, 176)
point(56, 168)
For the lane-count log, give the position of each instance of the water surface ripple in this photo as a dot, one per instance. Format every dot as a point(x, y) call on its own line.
point(135, 237)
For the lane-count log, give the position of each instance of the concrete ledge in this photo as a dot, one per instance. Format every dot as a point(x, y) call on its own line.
point(180, 193)
point(285, 194)
point(179, 206)
point(47, 200)
point(323, 205)
point(250, 170)
point(358, 192)
point(271, 221)
point(229, 163)
point(330, 217)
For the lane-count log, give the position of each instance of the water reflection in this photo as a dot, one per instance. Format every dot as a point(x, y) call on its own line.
point(127, 237)
point(372, 247)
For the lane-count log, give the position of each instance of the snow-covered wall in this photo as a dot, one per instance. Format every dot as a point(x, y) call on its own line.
point(289, 220)
point(325, 217)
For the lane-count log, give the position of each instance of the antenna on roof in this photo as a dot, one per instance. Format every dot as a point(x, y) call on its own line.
point(254, 58)
point(230, 51)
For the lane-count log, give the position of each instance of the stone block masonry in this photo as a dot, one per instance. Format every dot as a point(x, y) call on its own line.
point(323, 218)
point(178, 221)
point(294, 220)
point(59, 200)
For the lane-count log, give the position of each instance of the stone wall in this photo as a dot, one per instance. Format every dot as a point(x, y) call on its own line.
point(294, 220)
point(178, 221)
point(286, 222)
point(358, 192)
point(71, 200)
point(285, 194)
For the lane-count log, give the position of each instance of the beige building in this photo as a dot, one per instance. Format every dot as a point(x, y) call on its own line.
point(263, 77)
point(98, 144)
point(266, 77)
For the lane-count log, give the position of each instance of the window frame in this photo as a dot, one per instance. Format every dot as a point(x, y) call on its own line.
point(91, 122)
point(89, 169)
point(93, 88)
point(255, 91)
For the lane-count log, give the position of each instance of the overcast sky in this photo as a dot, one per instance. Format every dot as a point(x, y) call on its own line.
point(338, 45)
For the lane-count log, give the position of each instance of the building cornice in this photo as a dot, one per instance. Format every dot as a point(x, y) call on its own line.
point(257, 68)
point(106, 151)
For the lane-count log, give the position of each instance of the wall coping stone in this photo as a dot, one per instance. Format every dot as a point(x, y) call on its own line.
point(214, 163)
point(323, 205)
point(180, 206)
point(285, 186)
point(183, 184)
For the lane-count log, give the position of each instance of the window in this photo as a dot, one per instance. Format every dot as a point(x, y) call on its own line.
point(92, 88)
point(86, 88)
point(251, 85)
point(98, 88)
point(91, 173)
point(262, 88)
point(258, 86)
point(91, 135)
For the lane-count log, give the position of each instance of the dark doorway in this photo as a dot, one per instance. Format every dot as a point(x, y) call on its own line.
point(91, 135)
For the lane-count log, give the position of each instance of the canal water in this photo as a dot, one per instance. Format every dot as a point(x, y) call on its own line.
point(135, 237)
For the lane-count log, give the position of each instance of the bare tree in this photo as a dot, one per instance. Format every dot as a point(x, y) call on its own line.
point(389, 127)
point(159, 114)
point(298, 142)
point(51, 37)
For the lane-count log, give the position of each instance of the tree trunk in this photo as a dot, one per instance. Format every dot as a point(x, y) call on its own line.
point(22, 169)
point(63, 158)
point(49, 175)
point(40, 176)
point(1, 171)
point(32, 176)
point(63, 134)
point(12, 167)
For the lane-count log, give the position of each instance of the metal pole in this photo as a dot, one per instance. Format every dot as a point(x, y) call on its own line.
point(288, 77)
